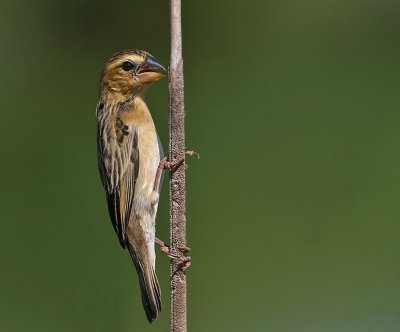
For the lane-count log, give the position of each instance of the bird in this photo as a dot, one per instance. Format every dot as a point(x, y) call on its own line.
point(129, 153)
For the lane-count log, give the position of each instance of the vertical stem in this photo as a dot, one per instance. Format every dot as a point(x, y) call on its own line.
point(177, 176)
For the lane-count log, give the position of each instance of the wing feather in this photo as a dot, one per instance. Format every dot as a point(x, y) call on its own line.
point(118, 159)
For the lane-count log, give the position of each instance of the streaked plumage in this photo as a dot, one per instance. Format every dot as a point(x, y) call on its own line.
point(128, 156)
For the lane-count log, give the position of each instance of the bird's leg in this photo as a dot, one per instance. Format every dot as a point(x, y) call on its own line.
point(165, 248)
point(166, 164)
point(160, 169)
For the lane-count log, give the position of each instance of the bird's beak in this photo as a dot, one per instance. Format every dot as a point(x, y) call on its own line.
point(147, 73)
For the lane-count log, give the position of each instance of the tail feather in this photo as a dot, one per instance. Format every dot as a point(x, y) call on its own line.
point(150, 288)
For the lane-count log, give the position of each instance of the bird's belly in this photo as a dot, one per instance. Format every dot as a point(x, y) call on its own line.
point(149, 158)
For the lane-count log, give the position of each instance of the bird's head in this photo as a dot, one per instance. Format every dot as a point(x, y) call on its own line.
point(129, 73)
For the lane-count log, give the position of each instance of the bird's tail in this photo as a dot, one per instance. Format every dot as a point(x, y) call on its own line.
point(149, 286)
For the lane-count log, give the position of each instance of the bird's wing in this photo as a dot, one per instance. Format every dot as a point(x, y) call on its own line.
point(118, 157)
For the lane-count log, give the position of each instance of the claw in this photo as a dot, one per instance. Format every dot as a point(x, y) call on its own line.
point(183, 249)
point(192, 153)
point(186, 263)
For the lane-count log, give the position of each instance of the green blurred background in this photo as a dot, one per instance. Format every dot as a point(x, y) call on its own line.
point(293, 209)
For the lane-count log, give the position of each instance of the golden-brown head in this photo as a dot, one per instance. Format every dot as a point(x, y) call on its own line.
point(129, 73)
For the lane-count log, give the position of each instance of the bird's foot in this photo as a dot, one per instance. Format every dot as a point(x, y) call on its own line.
point(184, 261)
point(166, 164)
point(171, 165)
point(166, 249)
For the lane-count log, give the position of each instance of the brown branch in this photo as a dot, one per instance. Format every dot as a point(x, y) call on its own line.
point(177, 175)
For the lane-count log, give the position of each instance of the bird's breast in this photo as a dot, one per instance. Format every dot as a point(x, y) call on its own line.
point(149, 158)
point(149, 154)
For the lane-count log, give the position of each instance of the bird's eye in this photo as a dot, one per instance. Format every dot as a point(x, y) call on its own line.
point(127, 66)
